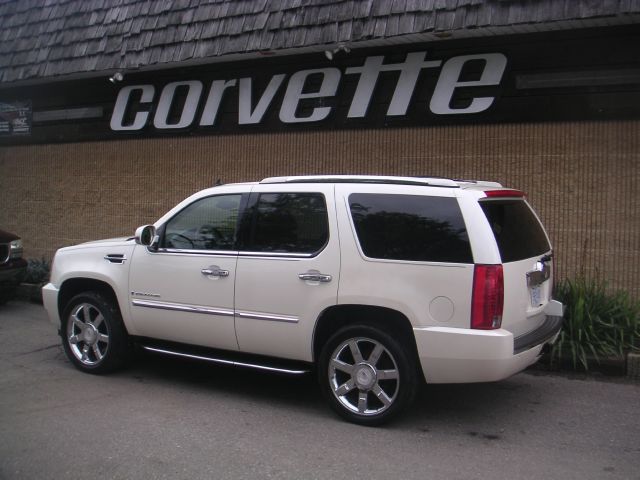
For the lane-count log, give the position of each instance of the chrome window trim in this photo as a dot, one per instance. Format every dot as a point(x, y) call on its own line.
point(230, 253)
point(270, 318)
point(244, 253)
point(278, 254)
point(179, 307)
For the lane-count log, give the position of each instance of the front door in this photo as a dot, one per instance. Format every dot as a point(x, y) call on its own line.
point(184, 290)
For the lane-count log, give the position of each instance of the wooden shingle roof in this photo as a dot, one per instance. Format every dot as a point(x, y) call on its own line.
point(51, 38)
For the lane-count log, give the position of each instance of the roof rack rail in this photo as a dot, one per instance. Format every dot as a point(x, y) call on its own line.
point(423, 181)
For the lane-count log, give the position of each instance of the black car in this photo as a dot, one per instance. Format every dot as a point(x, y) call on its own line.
point(12, 266)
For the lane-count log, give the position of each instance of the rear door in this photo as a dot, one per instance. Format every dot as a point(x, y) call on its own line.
point(527, 261)
point(288, 268)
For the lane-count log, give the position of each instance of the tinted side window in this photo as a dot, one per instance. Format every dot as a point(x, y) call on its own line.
point(207, 224)
point(288, 223)
point(410, 227)
point(518, 232)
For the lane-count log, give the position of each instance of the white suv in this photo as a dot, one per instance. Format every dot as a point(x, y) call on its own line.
point(376, 282)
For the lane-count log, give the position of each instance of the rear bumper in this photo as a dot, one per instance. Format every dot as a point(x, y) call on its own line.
point(544, 333)
point(460, 355)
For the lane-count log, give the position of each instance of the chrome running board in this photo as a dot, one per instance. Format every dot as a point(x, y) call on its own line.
point(231, 363)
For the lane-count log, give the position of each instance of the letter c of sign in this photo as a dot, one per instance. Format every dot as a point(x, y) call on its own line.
point(122, 102)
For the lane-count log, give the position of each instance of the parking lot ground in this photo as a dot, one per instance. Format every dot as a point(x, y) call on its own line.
point(170, 419)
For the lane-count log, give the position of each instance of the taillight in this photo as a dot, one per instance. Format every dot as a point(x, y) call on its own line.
point(487, 300)
point(504, 193)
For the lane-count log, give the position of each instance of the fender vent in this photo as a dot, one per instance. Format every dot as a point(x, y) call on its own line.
point(115, 258)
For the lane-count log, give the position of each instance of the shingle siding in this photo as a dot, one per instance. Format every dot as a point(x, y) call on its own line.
point(40, 38)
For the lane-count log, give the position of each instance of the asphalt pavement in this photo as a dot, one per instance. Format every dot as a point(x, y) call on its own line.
point(172, 419)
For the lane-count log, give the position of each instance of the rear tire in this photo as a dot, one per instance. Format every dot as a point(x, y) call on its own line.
point(93, 334)
point(366, 375)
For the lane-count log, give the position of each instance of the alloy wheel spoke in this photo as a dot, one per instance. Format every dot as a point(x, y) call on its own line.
point(75, 339)
point(355, 351)
point(346, 387)
point(78, 323)
point(97, 352)
point(98, 320)
point(381, 394)
point(103, 338)
point(362, 402)
point(85, 353)
point(375, 354)
point(86, 312)
point(387, 374)
point(342, 366)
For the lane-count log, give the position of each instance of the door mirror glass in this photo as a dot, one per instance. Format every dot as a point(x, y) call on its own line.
point(146, 235)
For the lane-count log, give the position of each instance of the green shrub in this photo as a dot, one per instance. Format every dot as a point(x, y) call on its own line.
point(37, 271)
point(597, 324)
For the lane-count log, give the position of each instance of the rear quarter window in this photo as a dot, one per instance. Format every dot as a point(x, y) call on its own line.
point(518, 232)
point(410, 227)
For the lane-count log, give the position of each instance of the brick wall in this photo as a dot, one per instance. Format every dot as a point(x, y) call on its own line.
point(582, 178)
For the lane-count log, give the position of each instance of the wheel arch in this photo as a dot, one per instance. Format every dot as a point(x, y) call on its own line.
point(73, 286)
point(390, 321)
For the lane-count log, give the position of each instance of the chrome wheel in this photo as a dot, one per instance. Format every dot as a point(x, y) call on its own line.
point(364, 376)
point(87, 334)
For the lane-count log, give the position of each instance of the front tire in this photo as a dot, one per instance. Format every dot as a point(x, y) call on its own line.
point(93, 334)
point(366, 375)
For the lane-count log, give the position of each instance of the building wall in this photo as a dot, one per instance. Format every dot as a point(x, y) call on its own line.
point(582, 178)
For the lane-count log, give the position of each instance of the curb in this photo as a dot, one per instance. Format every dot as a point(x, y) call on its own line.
point(633, 366)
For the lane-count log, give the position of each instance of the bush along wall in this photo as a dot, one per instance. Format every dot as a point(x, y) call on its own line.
point(599, 326)
point(37, 271)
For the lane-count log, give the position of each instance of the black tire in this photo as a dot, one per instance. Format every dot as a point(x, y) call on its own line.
point(7, 293)
point(94, 337)
point(353, 389)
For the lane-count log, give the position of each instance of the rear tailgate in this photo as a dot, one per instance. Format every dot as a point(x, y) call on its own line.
point(527, 262)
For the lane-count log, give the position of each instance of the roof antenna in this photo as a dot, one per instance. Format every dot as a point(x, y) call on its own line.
point(218, 183)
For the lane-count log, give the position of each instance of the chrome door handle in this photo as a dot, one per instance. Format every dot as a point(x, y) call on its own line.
point(214, 271)
point(315, 276)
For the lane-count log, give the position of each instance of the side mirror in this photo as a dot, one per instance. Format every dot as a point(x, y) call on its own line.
point(146, 235)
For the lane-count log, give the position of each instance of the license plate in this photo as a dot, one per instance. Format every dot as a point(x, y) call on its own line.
point(536, 295)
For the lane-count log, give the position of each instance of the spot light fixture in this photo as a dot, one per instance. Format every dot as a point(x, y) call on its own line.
point(116, 77)
point(340, 48)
